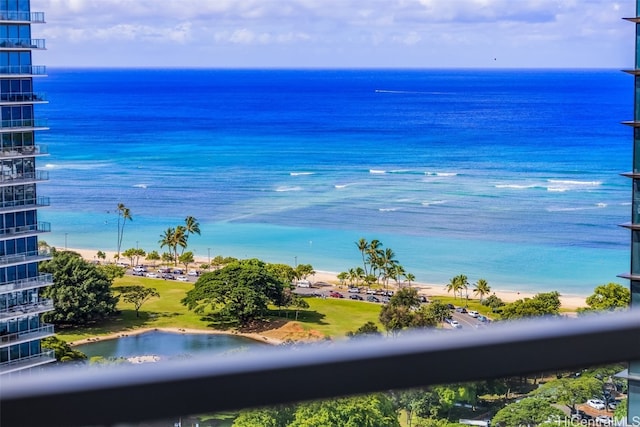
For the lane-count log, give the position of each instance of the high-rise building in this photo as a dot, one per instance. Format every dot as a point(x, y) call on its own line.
point(21, 303)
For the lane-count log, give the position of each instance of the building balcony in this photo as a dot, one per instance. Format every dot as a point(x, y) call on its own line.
point(28, 362)
point(40, 281)
point(39, 307)
point(24, 204)
point(21, 125)
point(10, 178)
point(10, 44)
point(24, 230)
point(26, 17)
point(30, 151)
point(25, 257)
point(22, 98)
point(26, 336)
point(23, 70)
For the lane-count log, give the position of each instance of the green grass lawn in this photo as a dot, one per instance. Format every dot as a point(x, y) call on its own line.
point(331, 317)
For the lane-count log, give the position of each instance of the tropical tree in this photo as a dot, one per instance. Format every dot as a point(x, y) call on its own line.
point(112, 271)
point(304, 270)
point(368, 329)
point(298, 303)
point(542, 304)
point(363, 247)
point(569, 391)
point(482, 288)
point(137, 295)
point(134, 255)
point(453, 286)
point(410, 278)
point(81, 292)
point(439, 310)
point(100, 255)
point(404, 311)
point(153, 256)
point(530, 411)
point(342, 276)
point(191, 226)
point(374, 410)
point(610, 297)
point(167, 238)
point(124, 214)
point(62, 350)
point(186, 258)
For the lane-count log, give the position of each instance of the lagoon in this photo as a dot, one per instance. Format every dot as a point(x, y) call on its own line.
point(168, 345)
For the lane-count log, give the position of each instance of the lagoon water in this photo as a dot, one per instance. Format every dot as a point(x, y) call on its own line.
point(168, 345)
point(507, 175)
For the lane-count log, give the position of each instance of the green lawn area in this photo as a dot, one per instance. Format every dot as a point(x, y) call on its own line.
point(331, 317)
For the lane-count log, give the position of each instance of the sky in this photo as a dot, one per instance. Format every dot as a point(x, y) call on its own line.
point(337, 33)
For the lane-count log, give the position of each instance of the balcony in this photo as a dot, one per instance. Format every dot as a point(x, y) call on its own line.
point(26, 151)
point(28, 362)
point(27, 17)
point(26, 336)
point(42, 306)
point(25, 257)
point(24, 204)
point(20, 125)
point(11, 44)
point(23, 70)
point(25, 284)
point(24, 230)
point(10, 178)
point(279, 376)
point(22, 98)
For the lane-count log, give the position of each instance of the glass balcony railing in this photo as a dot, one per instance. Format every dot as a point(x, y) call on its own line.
point(22, 44)
point(23, 124)
point(27, 151)
point(22, 204)
point(23, 97)
point(24, 284)
point(25, 336)
point(33, 17)
point(31, 256)
point(279, 375)
point(34, 360)
point(28, 70)
point(12, 178)
point(13, 232)
point(41, 306)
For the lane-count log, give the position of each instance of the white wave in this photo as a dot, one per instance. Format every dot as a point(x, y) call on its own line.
point(444, 174)
point(580, 208)
point(285, 188)
point(573, 182)
point(408, 92)
point(339, 186)
point(76, 166)
point(377, 171)
point(601, 205)
point(387, 209)
point(300, 173)
point(140, 185)
point(516, 186)
point(434, 202)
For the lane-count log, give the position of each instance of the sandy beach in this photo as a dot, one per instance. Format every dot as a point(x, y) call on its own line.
point(570, 302)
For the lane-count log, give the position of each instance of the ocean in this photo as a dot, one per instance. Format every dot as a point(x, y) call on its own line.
point(512, 176)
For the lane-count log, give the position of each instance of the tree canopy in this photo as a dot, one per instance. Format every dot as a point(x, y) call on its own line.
point(238, 292)
point(404, 311)
point(608, 297)
point(529, 411)
point(543, 304)
point(570, 391)
point(375, 410)
point(81, 292)
point(137, 295)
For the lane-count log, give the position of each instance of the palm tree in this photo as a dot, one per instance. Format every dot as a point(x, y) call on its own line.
point(167, 238)
point(363, 247)
point(179, 239)
point(463, 283)
point(453, 286)
point(482, 288)
point(410, 278)
point(192, 226)
point(125, 214)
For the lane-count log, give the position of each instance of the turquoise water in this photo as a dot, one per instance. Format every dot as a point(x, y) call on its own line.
point(511, 176)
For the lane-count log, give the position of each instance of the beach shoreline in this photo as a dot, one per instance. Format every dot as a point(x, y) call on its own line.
point(568, 301)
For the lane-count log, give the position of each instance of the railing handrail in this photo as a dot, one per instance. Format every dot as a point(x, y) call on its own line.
point(44, 279)
point(23, 256)
point(278, 376)
point(45, 304)
point(25, 203)
point(16, 336)
point(23, 69)
point(46, 353)
point(22, 43)
point(11, 15)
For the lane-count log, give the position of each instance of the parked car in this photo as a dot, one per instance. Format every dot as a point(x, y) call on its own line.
point(138, 273)
point(604, 420)
point(596, 403)
point(461, 310)
point(371, 291)
point(193, 273)
point(152, 275)
point(455, 324)
point(335, 294)
point(473, 313)
point(178, 271)
point(423, 299)
point(354, 289)
point(122, 264)
point(168, 276)
point(451, 306)
point(140, 269)
point(482, 318)
point(613, 405)
point(182, 278)
point(356, 297)
point(372, 298)
point(580, 415)
point(303, 284)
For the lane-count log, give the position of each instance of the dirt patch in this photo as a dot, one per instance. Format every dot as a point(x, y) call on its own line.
point(293, 331)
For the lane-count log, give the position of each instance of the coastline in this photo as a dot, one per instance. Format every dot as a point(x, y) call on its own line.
point(569, 302)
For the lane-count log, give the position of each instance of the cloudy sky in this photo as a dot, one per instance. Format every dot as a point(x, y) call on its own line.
point(337, 33)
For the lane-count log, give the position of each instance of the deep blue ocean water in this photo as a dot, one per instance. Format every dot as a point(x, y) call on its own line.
point(507, 175)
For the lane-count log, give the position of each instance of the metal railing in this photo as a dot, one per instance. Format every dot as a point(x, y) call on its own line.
point(12, 205)
point(23, 97)
point(24, 257)
point(22, 43)
point(12, 178)
point(33, 17)
point(28, 335)
point(41, 306)
point(29, 70)
point(23, 123)
point(278, 375)
point(13, 232)
point(30, 150)
point(39, 281)
point(41, 358)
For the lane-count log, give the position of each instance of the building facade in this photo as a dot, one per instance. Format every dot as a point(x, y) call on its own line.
point(21, 284)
